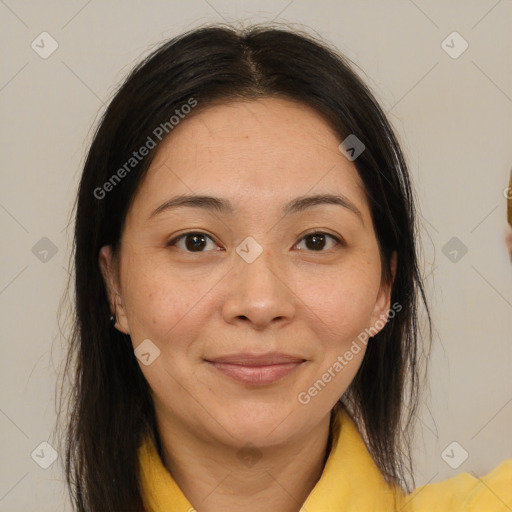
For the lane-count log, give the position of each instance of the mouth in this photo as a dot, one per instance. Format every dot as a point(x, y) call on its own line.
point(257, 370)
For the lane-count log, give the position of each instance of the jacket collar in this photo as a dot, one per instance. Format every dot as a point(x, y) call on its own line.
point(350, 478)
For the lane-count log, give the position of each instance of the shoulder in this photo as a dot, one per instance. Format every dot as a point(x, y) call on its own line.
point(465, 492)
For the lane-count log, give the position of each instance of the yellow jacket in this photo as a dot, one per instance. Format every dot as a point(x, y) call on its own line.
point(352, 482)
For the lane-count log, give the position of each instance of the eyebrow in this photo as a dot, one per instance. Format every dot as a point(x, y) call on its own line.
point(224, 206)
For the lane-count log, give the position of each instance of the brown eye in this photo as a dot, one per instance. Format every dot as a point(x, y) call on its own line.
point(197, 241)
point(193, 241)
point(317, 241)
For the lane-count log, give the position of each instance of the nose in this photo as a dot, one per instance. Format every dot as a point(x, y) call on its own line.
point(259, 293)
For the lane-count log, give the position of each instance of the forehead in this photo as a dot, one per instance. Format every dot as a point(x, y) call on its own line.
point(256, 151)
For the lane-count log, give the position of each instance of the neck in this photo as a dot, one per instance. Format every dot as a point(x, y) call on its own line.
point(214, 479)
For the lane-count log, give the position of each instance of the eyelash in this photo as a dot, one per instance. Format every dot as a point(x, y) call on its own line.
point(173, 241)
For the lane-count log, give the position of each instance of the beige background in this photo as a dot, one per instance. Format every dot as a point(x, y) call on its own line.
point(453, 116)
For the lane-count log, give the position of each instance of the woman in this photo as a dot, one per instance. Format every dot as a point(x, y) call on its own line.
point(248, 291)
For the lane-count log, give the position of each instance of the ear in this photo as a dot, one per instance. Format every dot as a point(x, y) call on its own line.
point(383, 301)
point(508, 239)
point(110, 277)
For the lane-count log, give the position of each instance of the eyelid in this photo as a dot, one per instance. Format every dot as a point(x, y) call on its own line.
point(323, 231)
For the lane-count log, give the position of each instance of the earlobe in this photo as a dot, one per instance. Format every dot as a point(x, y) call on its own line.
point(383, 300)
point(105, 263)
point(108, 271)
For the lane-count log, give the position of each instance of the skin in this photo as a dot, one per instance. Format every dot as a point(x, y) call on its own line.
point(293, 298)
point(508, 241)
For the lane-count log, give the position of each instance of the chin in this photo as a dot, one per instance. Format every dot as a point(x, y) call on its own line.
point(262, 424)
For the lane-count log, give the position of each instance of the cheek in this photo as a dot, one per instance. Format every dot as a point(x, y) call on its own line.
point(343, 301)
point(342, 310)
point(160, 305)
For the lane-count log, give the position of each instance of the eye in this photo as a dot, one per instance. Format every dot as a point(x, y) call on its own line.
point(194, 241)
point(316, 241)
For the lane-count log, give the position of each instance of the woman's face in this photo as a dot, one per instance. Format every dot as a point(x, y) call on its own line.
point(254, 280)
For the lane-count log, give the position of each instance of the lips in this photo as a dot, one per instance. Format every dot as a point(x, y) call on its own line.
point(257, 369)
point(246, 359)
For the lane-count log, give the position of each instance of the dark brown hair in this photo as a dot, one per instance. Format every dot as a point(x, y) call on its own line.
point(109, 405)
